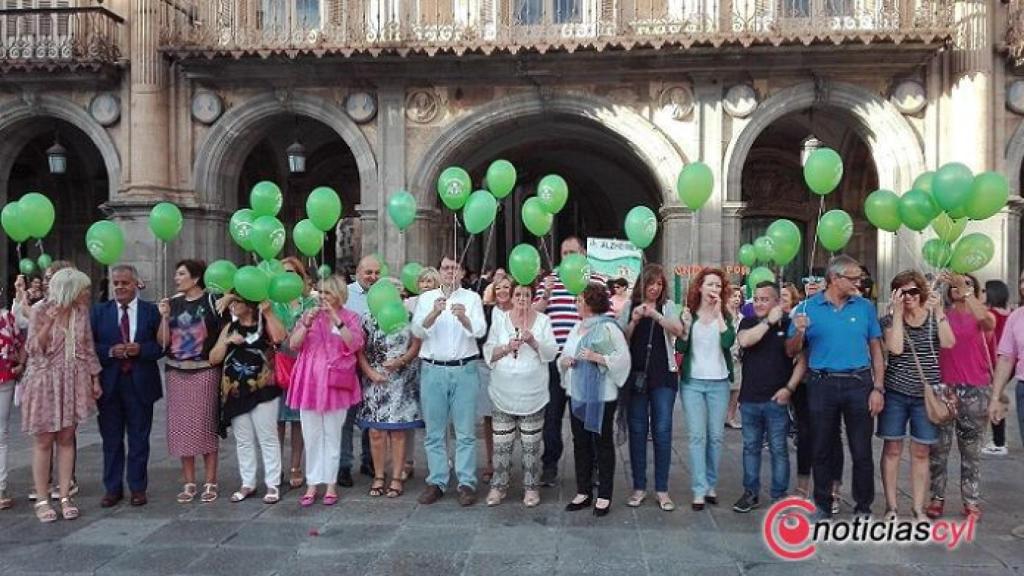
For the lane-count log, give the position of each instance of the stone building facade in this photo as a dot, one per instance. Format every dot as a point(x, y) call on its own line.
point(193, 101)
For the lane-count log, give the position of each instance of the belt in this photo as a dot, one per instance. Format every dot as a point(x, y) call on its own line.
point(855, 373)
point(449, 363)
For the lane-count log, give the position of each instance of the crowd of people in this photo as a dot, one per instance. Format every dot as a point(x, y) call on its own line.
point(813, 361)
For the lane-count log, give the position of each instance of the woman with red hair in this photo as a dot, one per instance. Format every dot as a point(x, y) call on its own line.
point(708, 336)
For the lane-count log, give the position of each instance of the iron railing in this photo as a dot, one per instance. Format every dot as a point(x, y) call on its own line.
point(294, 27)
point(1015, 31)
point(49, 37)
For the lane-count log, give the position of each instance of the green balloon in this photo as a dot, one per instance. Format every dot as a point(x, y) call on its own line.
point(882, 208)
point(757, 276)
point(972, 253)
point(219, 277)
point(323, 208)
point(785, 235)
point(695, 184)
point(764, 248)
point(252, 283)
point(285, 287)
point(937, 252)
point(268, 236)
point(535, 217)
point(952, 186)
point(105, 241)
point(748, 255)
point(384, 270)
point(835, 229)
point(382, 292)
point(924, 182)
point(823, 171)
point(27, 267)
point(574, 272)
point(240, 228)
point(641, 226)
point(307, 237)
point(553, 192)
point(165, 221)
point(392, 317)
point(14, 223)
point(948, 229)
point(989, 193)
point(917, 210)
point(501, 178)
point(44, 261)
point(402, 209)
point(524, 263)
point(479, 211)
point(323, 272)
point(454, 186)
point(38, 212)
point(272, 267)
point(265, 199)
point(411, 277)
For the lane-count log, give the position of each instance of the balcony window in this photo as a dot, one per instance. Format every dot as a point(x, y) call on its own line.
point(535, 12)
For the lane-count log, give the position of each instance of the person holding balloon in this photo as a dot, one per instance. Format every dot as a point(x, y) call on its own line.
point(500, 302)
point(190, 323)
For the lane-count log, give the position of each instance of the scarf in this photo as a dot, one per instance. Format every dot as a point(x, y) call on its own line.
point(589, 376)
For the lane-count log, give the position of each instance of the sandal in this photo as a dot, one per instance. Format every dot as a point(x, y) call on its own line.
point(209, 493)
point(495, 496)
point(636, 499)
point(531, 498)
point(377, 488)
point(330, 499)
point(44, 512)
point(296, 478)
point(395, 492)
point(243, 493)
point(273, 495)
point(188, 493)
point(891, 515)
point(68, 509)
point(307, 500)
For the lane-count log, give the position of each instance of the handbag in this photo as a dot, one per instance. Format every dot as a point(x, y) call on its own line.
point(341, 373)
point(283, 366)
point(638, 377)
point(940, 410)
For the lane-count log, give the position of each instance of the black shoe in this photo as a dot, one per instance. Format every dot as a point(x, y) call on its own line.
point(599, 512)
point(713, 500)
point(574, 506)
point(549, 477)
point(746, 503)
point(366, 470)
point(345, 478)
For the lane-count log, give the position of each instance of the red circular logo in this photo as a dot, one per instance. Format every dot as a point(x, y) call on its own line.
point(787, 529)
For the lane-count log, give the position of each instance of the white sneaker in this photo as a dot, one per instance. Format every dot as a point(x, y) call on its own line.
point(993, 450)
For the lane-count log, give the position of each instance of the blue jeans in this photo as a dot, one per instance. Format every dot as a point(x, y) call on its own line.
point(836, 400)
point(901, 409)
point(705, 403)
point(1020, 409)
point(761, 419)
point(448, 394)
point(653, 412)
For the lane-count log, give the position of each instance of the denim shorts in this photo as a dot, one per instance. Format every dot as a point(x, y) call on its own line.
point(900, 409)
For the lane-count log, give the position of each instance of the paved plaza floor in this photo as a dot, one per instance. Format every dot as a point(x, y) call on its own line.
point(379, 536)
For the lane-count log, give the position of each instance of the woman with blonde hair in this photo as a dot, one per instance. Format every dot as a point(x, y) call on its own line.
point(61, 384)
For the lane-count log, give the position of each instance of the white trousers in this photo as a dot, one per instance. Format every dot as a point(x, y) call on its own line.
point(6, 401)
point(321, 432)
point(258, 427)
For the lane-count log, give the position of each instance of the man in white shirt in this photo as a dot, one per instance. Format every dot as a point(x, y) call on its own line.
point(449, 320)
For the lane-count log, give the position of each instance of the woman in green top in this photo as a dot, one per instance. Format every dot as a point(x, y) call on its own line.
point(708, 335)
point(289, 314)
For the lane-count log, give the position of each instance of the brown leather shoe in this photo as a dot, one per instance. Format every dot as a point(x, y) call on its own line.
point(110, 500)
point(430, 495)
point(467, 496)
point(139, 499)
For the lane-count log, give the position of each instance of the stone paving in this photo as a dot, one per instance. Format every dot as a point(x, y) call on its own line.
point(363, 535)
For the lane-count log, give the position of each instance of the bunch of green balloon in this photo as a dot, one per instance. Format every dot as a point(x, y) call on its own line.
point(882, 208)
point(307, 237)
point(937, 252)
point(165, 221)
point(641, 226)
point(411, 277)
point(747, 255)
point(785, 237)
point(501, 178)
point(971, 253)
point(220, 276)
point(453, 186)
point(823, 171)
point(386, 307)
point(479, 211)
point(695, 184)
point(757, 276)
point(918, 209)
point(536, 219)
point(835, 228)
point(252, 283)
point(323, 208)
point(553, 192)
point(524, 263)
point(265, 198)
point(105, 241)
point(574, 272)
point(402, 209)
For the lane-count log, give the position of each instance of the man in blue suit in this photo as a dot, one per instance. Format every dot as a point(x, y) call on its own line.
point(125, 331)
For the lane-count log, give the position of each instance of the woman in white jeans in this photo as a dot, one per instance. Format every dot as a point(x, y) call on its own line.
point(249, 396)
point(12, 361)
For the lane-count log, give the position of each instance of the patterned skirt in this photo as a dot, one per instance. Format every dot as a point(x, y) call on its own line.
point(192, 409)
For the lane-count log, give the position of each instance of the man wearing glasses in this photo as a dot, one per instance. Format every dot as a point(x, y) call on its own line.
point(839, 331)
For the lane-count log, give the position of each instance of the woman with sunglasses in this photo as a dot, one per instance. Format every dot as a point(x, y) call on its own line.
point(966, 370)
point(915, 330)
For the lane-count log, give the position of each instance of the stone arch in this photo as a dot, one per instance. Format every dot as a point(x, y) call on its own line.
point(633, 131)
point(1015, 159)
point(221, 154)
point(27, 109)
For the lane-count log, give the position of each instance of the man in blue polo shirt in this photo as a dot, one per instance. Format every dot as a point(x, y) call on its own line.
point(839, 331)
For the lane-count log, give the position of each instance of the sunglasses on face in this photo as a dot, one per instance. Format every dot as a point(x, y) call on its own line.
point(812, 280)
point(911, 292)
point(852, 279)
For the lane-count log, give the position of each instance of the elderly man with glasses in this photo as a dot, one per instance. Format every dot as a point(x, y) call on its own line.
point(839, 331)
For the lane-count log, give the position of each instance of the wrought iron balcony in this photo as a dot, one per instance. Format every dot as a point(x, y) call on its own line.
point(294, 27)
point(1015, 31)
point(59, 38)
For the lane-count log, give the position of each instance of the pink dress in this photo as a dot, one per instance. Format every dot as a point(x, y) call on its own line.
point(324, 378)
point(58, 378)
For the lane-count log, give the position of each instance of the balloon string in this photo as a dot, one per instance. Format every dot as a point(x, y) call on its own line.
point(689, 260)
point(814, 245)
point(465, 250)
point(547, 254)
point(18, 248)
point(163, 266)
point(487, 247)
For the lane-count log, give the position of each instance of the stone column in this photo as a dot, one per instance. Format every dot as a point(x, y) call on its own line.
point(708, 93)
point(148, 168)
point(391, 170)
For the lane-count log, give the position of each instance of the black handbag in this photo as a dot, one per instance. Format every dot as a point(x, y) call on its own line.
point(639, 377)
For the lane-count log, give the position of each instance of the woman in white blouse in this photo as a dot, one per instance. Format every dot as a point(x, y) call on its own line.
point(519, 347)
point(594, 365)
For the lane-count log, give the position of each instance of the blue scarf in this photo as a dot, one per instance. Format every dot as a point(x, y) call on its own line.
point(589, 377)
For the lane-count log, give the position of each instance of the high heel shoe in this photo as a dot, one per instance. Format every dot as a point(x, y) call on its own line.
point(574, 506)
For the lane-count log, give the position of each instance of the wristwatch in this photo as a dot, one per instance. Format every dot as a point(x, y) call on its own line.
point(879, 390)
